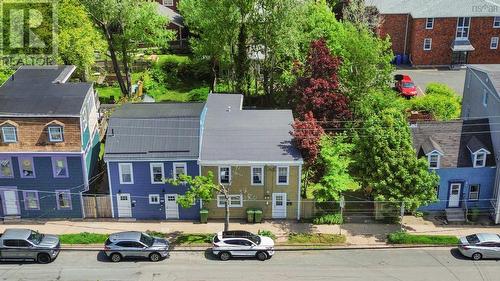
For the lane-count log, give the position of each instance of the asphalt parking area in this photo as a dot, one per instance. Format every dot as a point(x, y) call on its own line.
point(422, 77)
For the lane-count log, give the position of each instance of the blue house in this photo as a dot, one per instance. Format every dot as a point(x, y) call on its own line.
point(146, 143)
point(49, 143)
point(461, 153)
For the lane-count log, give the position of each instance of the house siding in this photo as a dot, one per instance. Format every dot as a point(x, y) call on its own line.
point(255, 196)
point(142, 188)
point(46, 185)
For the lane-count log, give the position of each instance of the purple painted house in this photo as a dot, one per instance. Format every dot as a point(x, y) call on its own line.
point(146, 143)
point(49, 143)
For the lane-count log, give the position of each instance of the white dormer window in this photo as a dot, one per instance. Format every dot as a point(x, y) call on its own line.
point(9, 134)
point(55, 134)
point(434, 160)
point(480, 159)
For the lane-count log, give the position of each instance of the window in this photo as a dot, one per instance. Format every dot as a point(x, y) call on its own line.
point(474, 192)
point(179, 169)
point(235, 201)
point(60, 166)
point(157, 173)
point(63, 198)
point(154, 199)
point(126, 173)
point(427, 44)
point(257, 175)
point(168, 3)
point(485, 98)
point(496, 22)
point(31, 200)
point(6, 168)
point(463, 26)
point(479, 159)
point(26, 167)
point(225, 175)
point(282, 175)
point(494, 43)
point(56, 134)
point(429, 24)
point(9, 134)
point(434, 159)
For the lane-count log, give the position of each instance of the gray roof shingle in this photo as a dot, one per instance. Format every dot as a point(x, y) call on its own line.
point(492, 71)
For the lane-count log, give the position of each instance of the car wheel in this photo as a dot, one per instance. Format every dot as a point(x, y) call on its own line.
point(43, 258)
point(115, 257)
point(224, 256)
point(154, 257)
point(261, 256)
point(477, 256)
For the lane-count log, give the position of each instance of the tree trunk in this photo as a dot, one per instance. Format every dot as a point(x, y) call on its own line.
point(241, 60)
point(126, 68)
point(226, 216)
point(114, 60)
point(214, 66)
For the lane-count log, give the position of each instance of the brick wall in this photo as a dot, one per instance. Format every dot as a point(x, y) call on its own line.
point(32, 135)
point(174, 7)
point(395, 27)
point(480, 36)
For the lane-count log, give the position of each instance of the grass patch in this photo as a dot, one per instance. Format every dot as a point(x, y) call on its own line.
point(402, 237)
point(83, 238)
point(267, 233)
point(316, 238)
point(194, 239)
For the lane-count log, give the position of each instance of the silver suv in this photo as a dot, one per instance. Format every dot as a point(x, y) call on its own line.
point(136, 245)
point(239, 243)
point(26, 244)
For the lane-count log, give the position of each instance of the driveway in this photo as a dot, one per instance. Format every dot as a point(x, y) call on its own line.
point(455, 79)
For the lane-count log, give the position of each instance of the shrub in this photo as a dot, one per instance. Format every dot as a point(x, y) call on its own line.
point(199, 94)
point(402, 237)
point(439, 100)
point(329, 219)
point(267, 233)
point(474, 214)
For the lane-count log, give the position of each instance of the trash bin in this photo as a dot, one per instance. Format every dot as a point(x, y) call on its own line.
point(399, 59)
point(250, 215)
point(203, 215)
point(258, 216)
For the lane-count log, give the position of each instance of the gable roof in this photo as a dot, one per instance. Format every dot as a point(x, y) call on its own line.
point(42, 91)
point(154, 131)
point(438, 8)
point(454, 138)
point(172, 15)
point(233, 135)
point(492, 71)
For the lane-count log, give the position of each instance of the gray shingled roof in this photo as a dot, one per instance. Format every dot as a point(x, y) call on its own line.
point(246, 136)
point(438, 8)
point(172, 15)
point(493, 72)
point(43, 91)
point(154, 131)
point(453, 139)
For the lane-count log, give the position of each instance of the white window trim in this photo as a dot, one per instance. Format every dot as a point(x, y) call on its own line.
point(278, 175)
point(475, 159)
point(496, 20)
point(252, 174)
point(51, 139)
point(131, 173)
point(463, 27)
point(230, 173)
point(164, 2)
point(477, 192)
point(494, 39)
point(3, 134)
point(151, 166)
point(427, 21)
point(178, 164)
point(438, 164)
point(430, 44)
point(154, 195)
point(220, 199)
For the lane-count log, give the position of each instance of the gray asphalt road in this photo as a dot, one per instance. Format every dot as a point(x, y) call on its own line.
point(453, 78)
point(371, 265)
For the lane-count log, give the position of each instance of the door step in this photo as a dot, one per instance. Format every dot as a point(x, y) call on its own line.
point(11, 219)
point(455, 215)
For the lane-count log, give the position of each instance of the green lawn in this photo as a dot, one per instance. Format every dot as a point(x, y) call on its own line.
point(316, 238)
point(191, 239)
point(83, 238)
point(402, 237)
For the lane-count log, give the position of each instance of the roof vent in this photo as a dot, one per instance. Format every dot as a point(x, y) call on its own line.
point(228, 109)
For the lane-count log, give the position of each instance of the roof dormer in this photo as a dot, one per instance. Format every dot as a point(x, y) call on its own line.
point(9, 131)
point(478, 151)
point(55, 131)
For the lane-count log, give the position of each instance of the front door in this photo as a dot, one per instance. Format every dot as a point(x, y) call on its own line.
point(279, 205)
point(171, 207)
point(9, 202)
point(459, 58)
point(124, 205)
point(454, 200)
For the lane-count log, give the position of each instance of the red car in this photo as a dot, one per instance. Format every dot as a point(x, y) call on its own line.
point(405, 86)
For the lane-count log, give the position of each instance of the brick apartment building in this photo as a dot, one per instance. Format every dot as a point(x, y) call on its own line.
point(442, 32)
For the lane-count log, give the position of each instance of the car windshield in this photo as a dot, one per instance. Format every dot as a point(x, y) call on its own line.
point(255, 239)
point(472, 239)
point(408, 85)
point(35, 237)
point(147, 240)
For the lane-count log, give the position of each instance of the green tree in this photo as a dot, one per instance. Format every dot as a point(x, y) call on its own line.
point(439, 100)
point(336, 160)
point(387, 164)
point(201, 187)
point(78, 39)
point(5, 73)
point(126, 25)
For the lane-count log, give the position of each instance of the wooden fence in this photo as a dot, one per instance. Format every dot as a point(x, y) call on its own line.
point(97, 206)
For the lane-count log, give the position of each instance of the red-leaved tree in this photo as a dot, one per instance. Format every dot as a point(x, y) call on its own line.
point(306, 136)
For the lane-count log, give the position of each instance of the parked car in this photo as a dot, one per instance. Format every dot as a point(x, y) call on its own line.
point(135, 244)
point(227, 244)
point(26, 244)
point(405, 86)
point(480, 246)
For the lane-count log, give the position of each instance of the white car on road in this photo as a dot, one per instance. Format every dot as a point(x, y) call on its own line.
point(480, 246)
point(228, 244)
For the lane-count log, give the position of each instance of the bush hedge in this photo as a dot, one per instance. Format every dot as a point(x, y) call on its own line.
point(402, 237)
